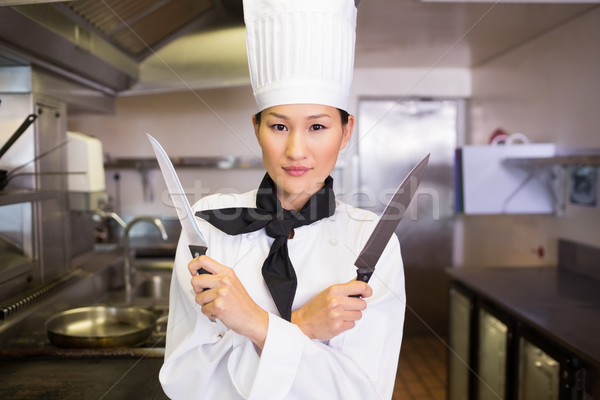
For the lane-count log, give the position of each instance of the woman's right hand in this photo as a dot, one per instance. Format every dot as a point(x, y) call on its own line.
point(223, 296)
point(332, 311)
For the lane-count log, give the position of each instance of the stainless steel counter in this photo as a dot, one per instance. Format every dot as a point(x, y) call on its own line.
point(32, 367)
point(81, 379)
point(562, 305)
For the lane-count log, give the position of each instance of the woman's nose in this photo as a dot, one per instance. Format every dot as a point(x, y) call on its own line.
point(296, 145)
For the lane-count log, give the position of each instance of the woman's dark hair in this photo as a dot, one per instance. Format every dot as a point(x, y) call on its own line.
point(343, 115)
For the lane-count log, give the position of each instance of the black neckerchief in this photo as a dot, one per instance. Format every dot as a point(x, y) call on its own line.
point(277, 269)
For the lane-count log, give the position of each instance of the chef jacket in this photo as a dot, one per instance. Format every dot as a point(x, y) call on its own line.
point(206, 360)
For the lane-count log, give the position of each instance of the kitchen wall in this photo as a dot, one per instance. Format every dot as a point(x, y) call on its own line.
point(217, 122)
point(549, 89)
point(188, 124)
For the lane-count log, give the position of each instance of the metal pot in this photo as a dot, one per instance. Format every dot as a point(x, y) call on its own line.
point(100, 326)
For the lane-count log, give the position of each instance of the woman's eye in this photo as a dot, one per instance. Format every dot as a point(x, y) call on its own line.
point(317, 127)
point(279, 127)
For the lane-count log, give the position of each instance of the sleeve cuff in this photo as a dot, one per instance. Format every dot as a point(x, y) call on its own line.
point(279, 359)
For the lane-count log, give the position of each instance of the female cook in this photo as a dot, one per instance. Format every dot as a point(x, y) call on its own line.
point(274, 317)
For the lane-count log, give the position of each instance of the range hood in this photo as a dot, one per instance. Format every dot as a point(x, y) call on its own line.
point(136, 47)
point(101, 44)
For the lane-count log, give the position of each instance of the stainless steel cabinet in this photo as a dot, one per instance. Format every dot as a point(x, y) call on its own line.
point(34, 245)
point(493, 354)
point(539, 373)
point(459, 354)
point(492, 357)
point(51, 215)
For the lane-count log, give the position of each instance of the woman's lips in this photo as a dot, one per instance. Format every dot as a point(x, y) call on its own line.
point(296, 171)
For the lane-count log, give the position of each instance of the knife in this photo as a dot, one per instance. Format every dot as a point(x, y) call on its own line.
point(389, 220)
point(189, 227)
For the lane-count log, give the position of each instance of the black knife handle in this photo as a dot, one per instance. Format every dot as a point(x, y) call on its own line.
point(362, 276)
point(198, 251)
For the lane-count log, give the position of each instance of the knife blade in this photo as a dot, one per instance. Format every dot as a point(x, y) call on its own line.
point(189, 228)
point(389, 220)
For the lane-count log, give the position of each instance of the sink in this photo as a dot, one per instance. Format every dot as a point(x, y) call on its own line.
point(106, 247)
point(150, 290)
point(152, 280)
point(154, 287)
point(159, 265)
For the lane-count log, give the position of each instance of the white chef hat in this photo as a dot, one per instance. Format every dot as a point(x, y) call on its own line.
point(300, 51)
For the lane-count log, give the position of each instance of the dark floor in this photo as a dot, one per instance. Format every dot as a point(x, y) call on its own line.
point(422, 370)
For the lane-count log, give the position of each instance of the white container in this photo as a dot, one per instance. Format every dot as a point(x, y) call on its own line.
point(85, 155)
point(487, 185)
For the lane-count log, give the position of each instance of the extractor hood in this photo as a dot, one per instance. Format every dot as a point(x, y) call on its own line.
point(135, 47)
point(102, 43)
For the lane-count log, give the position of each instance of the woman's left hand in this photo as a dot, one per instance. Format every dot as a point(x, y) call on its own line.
point(332, 311)
point(227, 299)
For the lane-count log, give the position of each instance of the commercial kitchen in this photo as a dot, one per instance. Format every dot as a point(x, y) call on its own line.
point(501, 244)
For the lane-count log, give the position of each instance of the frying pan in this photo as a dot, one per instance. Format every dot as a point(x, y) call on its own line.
point(100, 326)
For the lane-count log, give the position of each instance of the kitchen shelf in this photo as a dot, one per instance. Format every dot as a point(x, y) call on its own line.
point(556, 168)
point(560, 160)
point(143, 164)
point(15, 196)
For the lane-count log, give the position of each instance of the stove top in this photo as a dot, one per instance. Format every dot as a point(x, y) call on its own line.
point(32, 341)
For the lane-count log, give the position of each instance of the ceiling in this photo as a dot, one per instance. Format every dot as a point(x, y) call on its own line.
point(163, 45)
point(390, 34)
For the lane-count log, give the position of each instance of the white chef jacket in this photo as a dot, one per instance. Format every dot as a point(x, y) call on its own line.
point(205, 360)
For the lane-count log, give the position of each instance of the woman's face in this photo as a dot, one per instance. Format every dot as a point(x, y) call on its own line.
point(300, 146)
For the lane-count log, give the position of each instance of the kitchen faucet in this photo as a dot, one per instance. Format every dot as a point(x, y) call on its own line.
point(109, 214)
point(127, 264)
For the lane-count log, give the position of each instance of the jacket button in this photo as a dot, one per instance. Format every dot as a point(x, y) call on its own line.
point(332, 241)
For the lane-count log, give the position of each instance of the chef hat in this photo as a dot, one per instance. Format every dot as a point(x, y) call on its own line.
point(300, 51)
